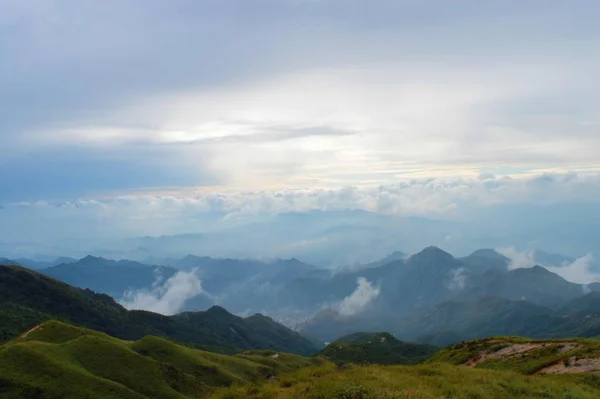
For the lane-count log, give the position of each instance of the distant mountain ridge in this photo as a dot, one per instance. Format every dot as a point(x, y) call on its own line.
point(379, 348)
point(109, 276)
point(305, 296)
point(28, 298)
point(432, 279)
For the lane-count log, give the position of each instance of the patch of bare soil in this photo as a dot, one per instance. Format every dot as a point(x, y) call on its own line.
point(25, 334)
point(573, 366)
point(518, 349)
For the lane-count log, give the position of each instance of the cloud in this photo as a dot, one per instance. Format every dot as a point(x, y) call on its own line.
point(539, 211)
point(458, 279)
point(579, 271)
point(330, 93)
point(168, 298)
point(360, 299)
point(518, 259)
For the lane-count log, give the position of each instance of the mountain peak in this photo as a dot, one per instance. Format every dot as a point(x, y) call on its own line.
point(90, 259)
point(218, 310)
point(489, 253)
point(432, 254)
point(537, 269)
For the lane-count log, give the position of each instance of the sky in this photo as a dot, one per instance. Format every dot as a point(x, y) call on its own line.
point(146, 112)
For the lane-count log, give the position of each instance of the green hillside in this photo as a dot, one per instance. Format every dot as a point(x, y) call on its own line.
point(380, 348)
point(560, 356)
point(429, 381)
point(28, 298)
point(499, 367)
point(56, 360)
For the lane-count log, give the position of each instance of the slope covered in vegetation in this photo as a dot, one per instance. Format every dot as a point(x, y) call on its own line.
point(57, 360)
point(28, 298)
point(499, 367)
point(379, 348)
point(560, 356)
point(429, 381)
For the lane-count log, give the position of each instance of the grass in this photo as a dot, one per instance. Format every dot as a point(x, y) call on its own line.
point(28, 298)
point(63, 361)
point(376, 348)
point(422, 381)
point(530, 363)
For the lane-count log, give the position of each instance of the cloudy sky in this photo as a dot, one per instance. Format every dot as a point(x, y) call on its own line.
point(155, 107)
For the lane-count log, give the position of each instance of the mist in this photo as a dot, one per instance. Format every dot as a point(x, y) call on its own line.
point(579, 271)
point(168, 298)
point(360, 299)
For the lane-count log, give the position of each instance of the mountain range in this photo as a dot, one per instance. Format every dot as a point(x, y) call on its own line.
point(402, 294)
point(28, 298)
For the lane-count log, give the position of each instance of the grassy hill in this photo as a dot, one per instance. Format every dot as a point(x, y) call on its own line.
point(499, 367)
point(380, 348)
point(28, 298)
point(558, 356)
point(57, 360)
point(429, 381)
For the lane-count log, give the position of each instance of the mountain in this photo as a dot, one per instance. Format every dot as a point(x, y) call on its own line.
point(57, 360)
point(5, 261)
point(411, 289)
point(393, 257)
point(108, 276)
point(549, 259)
point(457, 320)
point(120, 278)
point(583, 306)
point(38, 265)
point(380, 348)
point(454, 321)
point(483, 260)
point(474, 319)
point(425, 279)
point(327, 239)
point(536, 284)
point(28, 298)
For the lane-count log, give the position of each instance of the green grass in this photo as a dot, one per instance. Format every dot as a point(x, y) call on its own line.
point(530, 363)
point(422, 381)
point(376, 348)
point(28, 298)
point(63, 361)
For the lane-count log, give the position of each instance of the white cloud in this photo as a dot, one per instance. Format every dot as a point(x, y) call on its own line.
point(168, 298)
point(518, 259)
point(360, 299)
point(579, 271)
point(192, 211)
point(443, 92)
point(458, 279)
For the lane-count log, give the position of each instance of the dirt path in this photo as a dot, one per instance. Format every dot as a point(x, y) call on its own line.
point(25, 334)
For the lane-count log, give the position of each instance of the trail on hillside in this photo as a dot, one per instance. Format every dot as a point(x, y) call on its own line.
point(25, 334)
